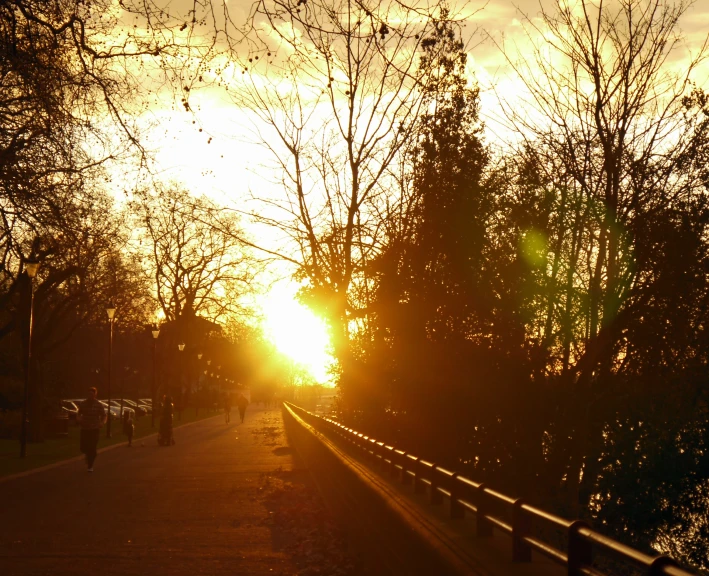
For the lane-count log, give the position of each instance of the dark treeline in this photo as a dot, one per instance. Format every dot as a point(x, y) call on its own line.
point(532, 314)
point(75, 77)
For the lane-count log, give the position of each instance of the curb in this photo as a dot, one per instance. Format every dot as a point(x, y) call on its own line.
point(100, 451)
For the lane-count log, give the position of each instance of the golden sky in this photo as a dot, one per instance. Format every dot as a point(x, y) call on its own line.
point(211, 152)
point(221, 161)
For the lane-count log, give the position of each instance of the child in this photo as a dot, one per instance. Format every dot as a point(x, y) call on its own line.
point(128, 427)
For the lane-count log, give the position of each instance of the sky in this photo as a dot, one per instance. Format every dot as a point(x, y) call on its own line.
point(211, 151)
point(215, 154)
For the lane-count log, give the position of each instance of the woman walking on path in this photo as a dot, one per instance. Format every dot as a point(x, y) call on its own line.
point(165, 437)
point(242, 403)
point(91, 417)
point(128, 427)
point(227, 407)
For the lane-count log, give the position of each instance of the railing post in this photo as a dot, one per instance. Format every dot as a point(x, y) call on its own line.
point(376, 452)
point(580, 549)
point(364, 445)
point(482, 524)
point(521, 552)
point(435, 497)
point(457, 510)
point(419, 485)
point(657, 566)
point(382, 456)
point(405, 476)
point(393, 471)
point(372, 449)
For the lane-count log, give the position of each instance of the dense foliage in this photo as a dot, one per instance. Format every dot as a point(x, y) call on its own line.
point(539, 320)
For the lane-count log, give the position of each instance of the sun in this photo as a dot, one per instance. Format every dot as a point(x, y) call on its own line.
point(297, 332)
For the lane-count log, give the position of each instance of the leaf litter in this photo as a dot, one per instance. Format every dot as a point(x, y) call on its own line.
point(302, 527)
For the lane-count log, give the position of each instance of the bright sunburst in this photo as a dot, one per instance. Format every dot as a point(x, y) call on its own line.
point(297, 332)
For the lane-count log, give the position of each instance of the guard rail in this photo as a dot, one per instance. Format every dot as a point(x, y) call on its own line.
point(493, 510)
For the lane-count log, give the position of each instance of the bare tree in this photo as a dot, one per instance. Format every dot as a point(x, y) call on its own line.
point(199, 266)
point(608, 158)
point(335, 93)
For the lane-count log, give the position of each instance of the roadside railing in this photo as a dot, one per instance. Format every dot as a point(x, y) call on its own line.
point(493, 510)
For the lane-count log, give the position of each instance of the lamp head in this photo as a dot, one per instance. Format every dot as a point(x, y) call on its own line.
point(31, 267)
point(156, 333)
point(181, 347)
point(111, 311)
point(199, 356)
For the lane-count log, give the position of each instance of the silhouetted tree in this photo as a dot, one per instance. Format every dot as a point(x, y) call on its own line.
point(609, 209)
point(339, 87)
point(67, 101)
point(198, 265)
point(432, 307)
point(200, 268)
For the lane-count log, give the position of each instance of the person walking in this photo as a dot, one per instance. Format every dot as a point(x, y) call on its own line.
point(128, 427)
point(242, 403)
point(165, 436)
point(227, 407)
point(91, 417)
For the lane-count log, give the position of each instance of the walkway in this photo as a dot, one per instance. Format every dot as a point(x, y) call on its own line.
point(198, 507)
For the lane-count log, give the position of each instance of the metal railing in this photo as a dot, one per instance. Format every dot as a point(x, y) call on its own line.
point(493, 510)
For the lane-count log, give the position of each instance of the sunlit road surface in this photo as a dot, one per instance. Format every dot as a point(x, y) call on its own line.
point(192, 508)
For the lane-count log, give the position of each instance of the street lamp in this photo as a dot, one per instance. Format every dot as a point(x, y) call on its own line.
point(181, 348)
point(31, 268)
point(111, 313)
point(156, 333)
point(123, 386)
point(198, 388)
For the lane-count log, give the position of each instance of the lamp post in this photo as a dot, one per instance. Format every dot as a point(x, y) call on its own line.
point(209, 387)
point(126, 369)
point(111, 313)
point(197, 387)
point(156, 333)
point(31, 268)
point(136, 387)
point(181, 348)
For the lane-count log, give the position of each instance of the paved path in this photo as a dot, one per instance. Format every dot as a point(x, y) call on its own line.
point(193, 508)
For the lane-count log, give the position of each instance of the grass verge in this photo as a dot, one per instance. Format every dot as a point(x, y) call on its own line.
point(64, 447)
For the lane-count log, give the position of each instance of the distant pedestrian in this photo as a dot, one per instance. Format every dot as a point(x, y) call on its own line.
point(242, 403)
point(165, 436)
point(227, 407)
point(91, 417)
point(128, 427)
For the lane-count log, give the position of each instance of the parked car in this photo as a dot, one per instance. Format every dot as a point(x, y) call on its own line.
point(69, 408)
point(126, 408)
point(114, 411)
point(137, 408)
point(146, 403)
point(76, 402)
